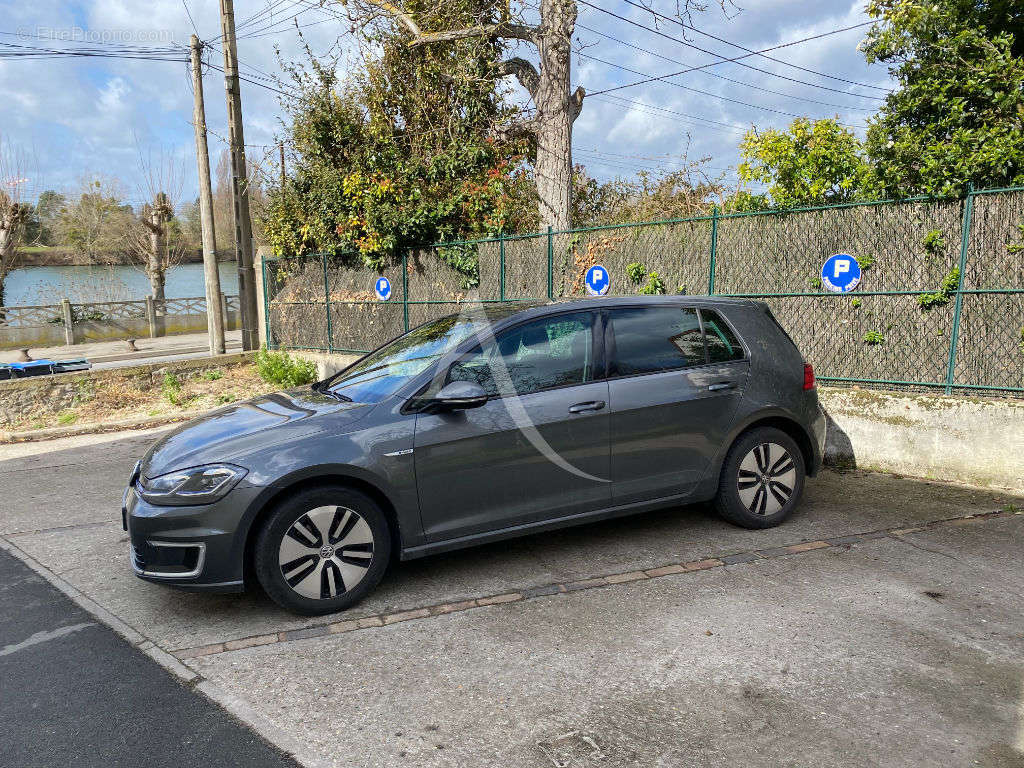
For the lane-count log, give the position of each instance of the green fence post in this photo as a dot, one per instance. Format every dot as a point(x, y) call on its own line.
point(327, 305)
point(266, 299)
point(551, 262)
point(714, 250)
point(965, 237)
point(501, 266)
point(405, 290)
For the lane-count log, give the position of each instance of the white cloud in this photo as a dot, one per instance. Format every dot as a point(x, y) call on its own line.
point(87, 114)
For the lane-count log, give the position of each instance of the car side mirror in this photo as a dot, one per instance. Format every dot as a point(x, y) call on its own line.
point(459, 395)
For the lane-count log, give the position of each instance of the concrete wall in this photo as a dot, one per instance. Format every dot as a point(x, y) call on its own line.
point(326, 364)
point(979, 441)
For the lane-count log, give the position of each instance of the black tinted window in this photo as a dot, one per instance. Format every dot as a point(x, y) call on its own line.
point(722, 342)
point(550, 352)
point(651, 339)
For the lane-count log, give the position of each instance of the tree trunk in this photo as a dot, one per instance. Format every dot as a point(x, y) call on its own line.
point(154, 264)
point(557, 108)
point(7, 237)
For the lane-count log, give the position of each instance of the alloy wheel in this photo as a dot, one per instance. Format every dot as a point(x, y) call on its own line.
point(766, 480)
point(326, 552)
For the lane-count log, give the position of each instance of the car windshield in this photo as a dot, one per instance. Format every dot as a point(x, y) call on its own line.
point(381, 373)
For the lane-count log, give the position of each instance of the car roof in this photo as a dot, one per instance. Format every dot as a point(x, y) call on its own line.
point(540, 308)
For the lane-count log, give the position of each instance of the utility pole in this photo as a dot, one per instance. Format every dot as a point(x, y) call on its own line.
point(239, 182)
point(214, 315)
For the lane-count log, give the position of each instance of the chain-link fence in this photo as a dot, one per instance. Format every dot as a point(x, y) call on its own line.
point(940, 305)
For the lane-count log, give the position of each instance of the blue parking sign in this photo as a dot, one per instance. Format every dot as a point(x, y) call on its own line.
point(841, 273)
point(383, 288)
point(597, 280)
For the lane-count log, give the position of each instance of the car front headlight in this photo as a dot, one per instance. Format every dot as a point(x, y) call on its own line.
point(196, 485)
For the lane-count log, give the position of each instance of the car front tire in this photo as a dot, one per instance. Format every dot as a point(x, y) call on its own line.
point(322, 550)
point(762, 479)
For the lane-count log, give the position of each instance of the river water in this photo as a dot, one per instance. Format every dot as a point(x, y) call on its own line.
point(48, 285)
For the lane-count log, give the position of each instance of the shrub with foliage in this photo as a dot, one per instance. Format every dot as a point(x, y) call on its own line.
point(282, 369)
point(815, 162)
point(406, 151)
point(958, 114)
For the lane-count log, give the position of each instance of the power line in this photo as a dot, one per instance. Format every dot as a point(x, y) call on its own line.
point(257, 82)
point(721, 77)
point(734, 59)
point(665, 113)
point(34, 52)
point(657, 111)
point(758, 53)
point(190, 19)
point(701, 92)
point(662, 165)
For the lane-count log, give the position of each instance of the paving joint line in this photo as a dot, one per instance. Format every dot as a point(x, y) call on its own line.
point(70, 527)
point(531, 593)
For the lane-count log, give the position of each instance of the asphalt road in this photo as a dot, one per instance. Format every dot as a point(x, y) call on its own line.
point(75, 693)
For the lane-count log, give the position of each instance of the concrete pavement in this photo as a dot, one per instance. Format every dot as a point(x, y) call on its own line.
point(900, 647)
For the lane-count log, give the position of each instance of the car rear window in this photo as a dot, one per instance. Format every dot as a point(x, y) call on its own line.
point(723, 345)
point(652, 339)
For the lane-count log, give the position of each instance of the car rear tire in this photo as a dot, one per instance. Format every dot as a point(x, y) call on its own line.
point(762, 479)
point(322, 550)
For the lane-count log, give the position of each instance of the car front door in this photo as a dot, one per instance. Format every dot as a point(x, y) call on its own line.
point(538, 449)
point(671, 403)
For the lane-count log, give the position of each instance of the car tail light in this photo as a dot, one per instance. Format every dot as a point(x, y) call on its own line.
point(809, 382)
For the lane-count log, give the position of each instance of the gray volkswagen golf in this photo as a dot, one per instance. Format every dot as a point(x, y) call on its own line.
point(493, 423)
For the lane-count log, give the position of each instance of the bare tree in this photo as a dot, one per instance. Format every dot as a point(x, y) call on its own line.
point(13, 212)
point(95, 224)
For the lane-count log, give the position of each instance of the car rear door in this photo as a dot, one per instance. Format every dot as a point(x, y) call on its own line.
point(672, 397)
point(534, 453)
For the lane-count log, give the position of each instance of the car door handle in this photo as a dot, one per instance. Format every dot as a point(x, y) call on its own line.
point(721, 385)
point(593, 405)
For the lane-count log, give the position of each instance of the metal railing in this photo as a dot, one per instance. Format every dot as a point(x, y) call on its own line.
point(940, 306)
point(41, 315)
point(44, 325)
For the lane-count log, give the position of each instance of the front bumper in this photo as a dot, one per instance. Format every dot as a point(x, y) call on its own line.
point(199, 548)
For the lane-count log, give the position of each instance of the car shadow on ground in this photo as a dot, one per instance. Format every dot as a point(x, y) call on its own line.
point(81, 540)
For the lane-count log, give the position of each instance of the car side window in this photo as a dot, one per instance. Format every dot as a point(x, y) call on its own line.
point(549, 352)
point(652, 339)
point(723, 345)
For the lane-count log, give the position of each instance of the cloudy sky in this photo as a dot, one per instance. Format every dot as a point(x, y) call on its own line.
point(72, 118)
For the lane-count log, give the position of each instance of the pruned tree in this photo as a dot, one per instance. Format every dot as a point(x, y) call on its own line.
point(12, 218)
point(152, 242)
point(13, 212)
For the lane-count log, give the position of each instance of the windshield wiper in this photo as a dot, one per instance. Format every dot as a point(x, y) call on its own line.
point(321, 387)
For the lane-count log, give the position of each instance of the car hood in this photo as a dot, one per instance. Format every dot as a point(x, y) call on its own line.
point(239, 428)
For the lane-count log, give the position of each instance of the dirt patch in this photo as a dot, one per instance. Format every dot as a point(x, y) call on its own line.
point(171, 393)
